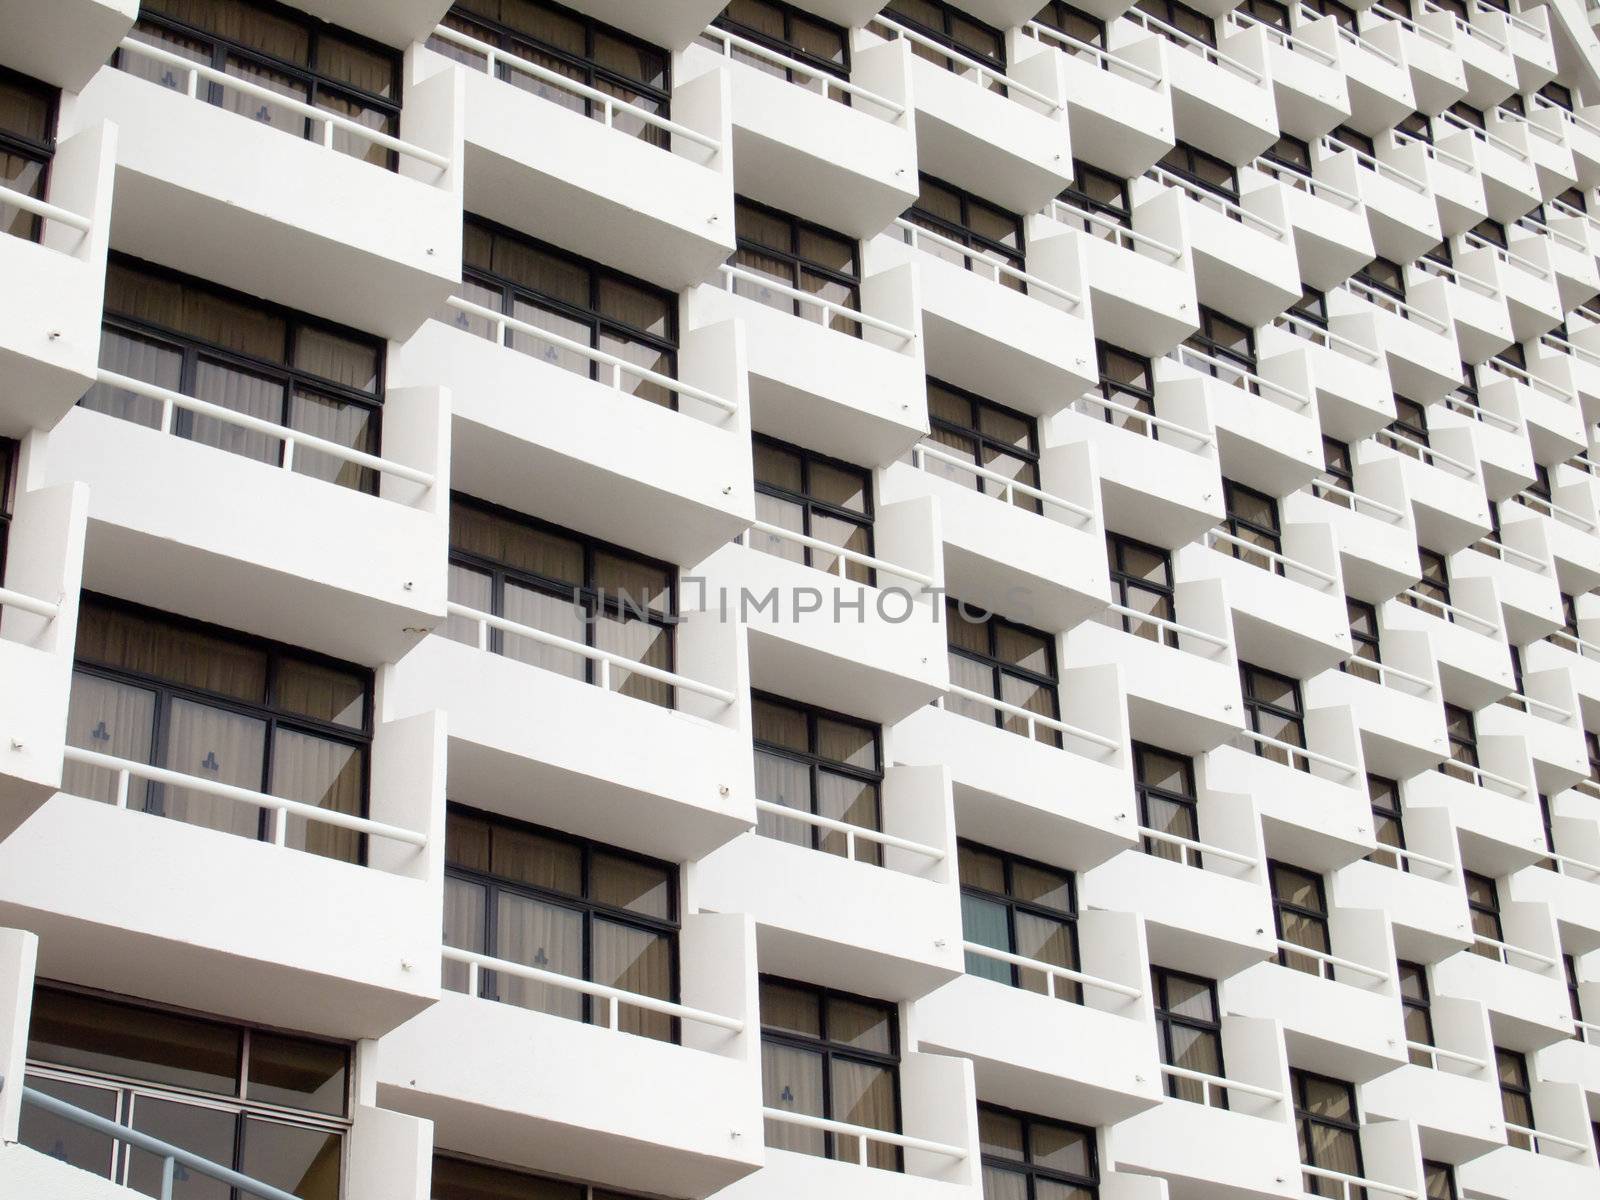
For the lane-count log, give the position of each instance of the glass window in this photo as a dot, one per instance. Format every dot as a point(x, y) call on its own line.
point(27, 144)
point(1004, 661)
point(1418, 125)
point(1329, 1128)
point(1516, 1096)
point(1300, 909)
point(820, 497)
point(1363, 641)
point(791, 32)
point(571, 298)
point(1223, 338)
point(1558, 94)
point(1141, 579)
point(1342, 13)
point(1179, 16)
point(1434, 584)
point(206, 702)
point(1018, 906)
point(1025, 1156)
point(1461, 730)
point(1344, 135)
point(571, 45)
point(1465, 112)
point(1205, 171)
point(8, 471)
point(1416, 1007)
point(1273, 709)
point(1483, 907)
point(989, 435)
point(1252, 519)
point(1268, 12)
point(1291, 153)
point(833, 1055)
point(818, 762)
point(1438, 1181)
point(1388, 822)
point(560, 904)
point(467, 1179)
point(538, 575)
point(1338, 471)
point(949, 26)
point(1095, 191)
point(271, 1105)
point(1385, 276)
point(1127, 380)
point(236, 351)
point(992, 234)
point(1189, 1033)
point(797, 255)
point(285, 51)
point(1164, 783)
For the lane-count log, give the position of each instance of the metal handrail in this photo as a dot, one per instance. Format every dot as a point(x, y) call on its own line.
point(43, 208)
point(1376, 165)
point(1413, 856)
point(1200, 848)
point(1033, 719)
point(1449, 612)
point(291, 438)
point(1528, 562)
point(1529, 703)
point(1052, 972)
point(1465, 27)
point(975, 257)
point(1478, 242)
point(1479, 777)
point(1221, 535)
point(851, 832)
point(1350, 36)
point(1357, 500)
point(1347, 1181)
point(863, 1134)
point(985, 71)
point(330, 120)
point(619, 367)
point(1537, 1135)
point(1504, 950)
point(1329, 963)
point(1566, 864)
point(1162, 623)
point(827, 308)
point(1423, 31)
point(1580, 647)
point(1254, 383)
point(1511, 371)
point(477, 963)
point(1131, 238)
point(1515, 20)
point(1397, 306)
point(1429, 150)
point(126, 770)
point(1010, 488)
point(1482, 415)
point(1435, 1053)
point(842, 554)
point(1210, 199)
point(23, 602)
point(1154, 422)
point(1570, 348)
point(1458, 277)
point(1077, 48)
point(1385, 672)
point(1284, 37)
point(1485, 136)
point(1217, 1082)
point(1311, 756)
point(609, 105)
point(729, 39)
point(607, 659)
point(171, 1157)
point(1558, 512)
point(1427, 454)
point(1308, 184)
point(1311, 332)
point(1193, 44)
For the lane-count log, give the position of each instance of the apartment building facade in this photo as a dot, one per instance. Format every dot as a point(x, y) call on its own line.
point(906, 599)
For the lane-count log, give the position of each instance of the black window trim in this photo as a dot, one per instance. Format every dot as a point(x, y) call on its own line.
point(1067, 917)
point(797, 263)
point(1086, 1185)
point(1122, 583)
point(999, 668)
point(1317, 916)
point(812, 507)
point(1166, 1019)
point(961, 231)
point(1029, 455)
point(787, 46)
point(43, 152)
point(815, 762)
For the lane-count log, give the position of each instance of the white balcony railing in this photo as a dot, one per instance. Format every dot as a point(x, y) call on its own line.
point(1192, 852)
point(1153, 424)
point(1318, 336)
point(292, 439)
point(1388, 676)
point(1053, 973)
point(1462, 26)
point(615, 998)
point(1008, 489)
point(1480, 777)
point(1514, 956)
point(11, 198)
point(1510, 554)
point(126, 770)
point(852, 833)
point(1215, 1089)
point(1110, 231)
point(1399, 307)
point(825, 309)
point(865, 1135)
point(606, 661)
point(614, 370)
point(1438, 1054)
point(1329, 965)
point(1239, 19)
point(194, 72)
point(1305, 183)
point(1579, 646)
point(984, 74)
point(1324, 581)
point(1534, 706)
point(981, 263)
point(1177, 631)
point(1538, 1139)
point(1482, 415)
point(29, 604)
point(1102, 58)
point(725, 42)
point(1574, 868)
point(1240, 377)
point(1413, 859)
point(1484, 136)
point(610, 107)
point(1032, 721)
point(1449, 612)
point(1252, 741)
point(1354, 1187)
point(1422, 31)
point(1195, 46)
point(1426, 454)
point(843, 557)
point(1436, 153)
point(1509, 257)
point(1355, 502)
point(1376, 165)
point(1551, 509)
point(1350, 37)
point(1222, 204)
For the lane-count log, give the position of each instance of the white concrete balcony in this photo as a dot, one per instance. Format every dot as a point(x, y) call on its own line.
point(1395, 704)
point(1552, 158)
point(1448, 1088)
point(1338, 1010)
point(1004, 136)
point(1526, 34)
point(1242, 255)
point(1580, 657)
point(1438, 78)
point(38, 627)
point(1565, 882)
point(1583, 137)
point(1523, 276)
point(1574, 364)
point(863, 399)
point(601, 188)
point(1022, 338)
point(1118, 111)
point(1266, 423)
point(1035, 554)
point(1505, 164)
point(50, 311)
point(1454, 181)
point(545, 744)
point(1372, 522)
point(1140, 288)
point(1570, 522)
point(1474, 665)
point(1477, 305)
point(1486, 60)
point(370, 566)
point(1554, 1164)
point(1377, 78)
point(1219, 103)
point(1288, 608)
point(1159, 474)
point(1182, 677)
point(542, 424)
point(1569, 249)
point(1068, 1044)
point(1415, 335)
point(1523, 577)
point(1496, 816)
point(1519, 979)
point(1400, 210)
point(545, 1091)
point(1056, 790)
point(1203, 904)
point(1418, 886)
point(882, 918)
point(840, 152)
point(119, 911)
point(938, 1150)
point(1505, 456)
point(254, 212)
point(1444, 482)
point(1346, 367)
point(1331, 236)
point(64, 44)
point(1307, 85)
point(1313, 800)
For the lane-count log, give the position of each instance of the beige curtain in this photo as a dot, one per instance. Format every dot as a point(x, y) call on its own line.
point(218, 746)
point(539, 935)
point(637, 961)
point(864, 1094)
point(324, 693)
point(118, 638)
point(351, 425)
point(241, 392)
point(791, 1080)
point(786, 782)
point(328, 774)
point(137, 359)
point(464, 907)
point(108, 718)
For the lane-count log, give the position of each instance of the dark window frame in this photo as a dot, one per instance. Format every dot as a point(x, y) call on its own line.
point(41, 152)
point(1187, 171)
point(1013, 905)
point(8, 497)
point(1248, 529)
point(1141, 399)
point(1180, 16)
point(817, 763)
point(961, 230)
point(1119, 213)
point(1206, 341)
point(949, 17)
point(1483, 904)
point(786, 45)
point(980, 441)
point(1123, 583)
point(812, 507)
point(1167, 1020)
point(1306, 1121)
point(1317, 917)
point(1000, 669)
point(1085, 1187)
point(1420, 1003)
point(1512, 1092)
point(1253, 707)
point(1188, 801)
point(798, 264)
point(1463, 746)
point(1391, 816)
